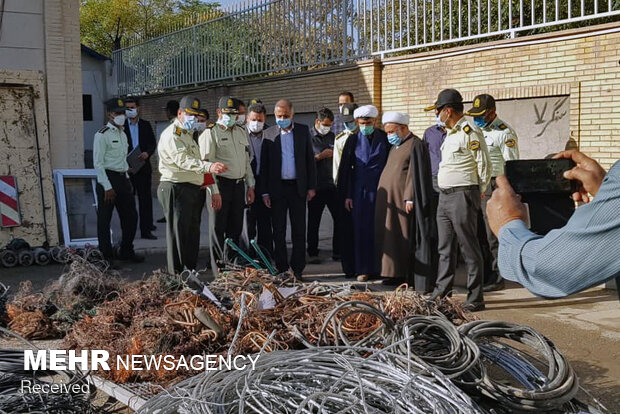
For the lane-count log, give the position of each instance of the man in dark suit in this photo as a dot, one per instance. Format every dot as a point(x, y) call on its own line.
point(258, 216)
point(289, 179)
point(140, 133)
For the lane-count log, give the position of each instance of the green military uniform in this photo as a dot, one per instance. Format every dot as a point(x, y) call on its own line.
point(229, 145)
point(110, 163)
point(464, 173)
point(503, 146)
point(182, 174)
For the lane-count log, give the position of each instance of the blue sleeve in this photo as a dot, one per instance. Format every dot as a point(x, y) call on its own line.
point(582, 254)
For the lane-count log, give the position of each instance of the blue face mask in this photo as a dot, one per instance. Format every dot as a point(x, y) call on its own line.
point(394, 139)
point(350, 126)
point(367, 129)
point(284, 123)
point(227, 120)
point(440, 123)
point(480, 122)
point(189, 122)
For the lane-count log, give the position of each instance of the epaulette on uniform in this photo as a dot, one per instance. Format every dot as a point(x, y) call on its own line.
point(104, 129)
point(467, 129)
point(178, 131)
point(342, 134)
point(502, 126)
point(210, 126)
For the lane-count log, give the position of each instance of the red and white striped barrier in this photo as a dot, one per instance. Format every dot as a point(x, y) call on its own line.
point(9, 202)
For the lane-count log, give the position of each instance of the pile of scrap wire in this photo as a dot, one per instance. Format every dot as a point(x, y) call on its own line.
point(13, 400)
point(420, 364)
point(50, 313)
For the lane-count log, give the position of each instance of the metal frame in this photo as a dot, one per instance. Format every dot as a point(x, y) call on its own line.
point(282, 36)
point(61, 198)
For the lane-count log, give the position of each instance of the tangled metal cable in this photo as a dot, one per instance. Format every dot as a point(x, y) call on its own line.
point(542, 391)
point(311, 381)
point(13, 400)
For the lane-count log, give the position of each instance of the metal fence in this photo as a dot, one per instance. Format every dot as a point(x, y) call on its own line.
point(280, 36)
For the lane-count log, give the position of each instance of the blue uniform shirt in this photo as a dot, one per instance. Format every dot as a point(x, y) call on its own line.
point(582, 254)
point(288, 155)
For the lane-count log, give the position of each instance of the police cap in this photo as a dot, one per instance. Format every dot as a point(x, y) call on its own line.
point(482, 103)
point(190, 104)
point(346, 113)
point(115, 105)
point(228, 105)
point(446, 97)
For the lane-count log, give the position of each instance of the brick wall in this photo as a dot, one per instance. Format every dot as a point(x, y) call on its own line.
point(586, 68)
point(582, 63)
point(308, 92)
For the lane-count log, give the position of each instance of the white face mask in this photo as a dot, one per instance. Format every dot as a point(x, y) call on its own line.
point(200, 126)
point(131, 113)
point(323, 130)
point(255, 126)
point(119, 120)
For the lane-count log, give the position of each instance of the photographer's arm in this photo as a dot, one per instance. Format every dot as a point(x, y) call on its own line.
point(584, 253)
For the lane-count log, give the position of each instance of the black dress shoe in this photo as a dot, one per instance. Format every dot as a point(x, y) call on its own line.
point(494, 287)
point(132, 257)
point(392, 281)
point(162, 220)
point(475, 307)
point(149, 236)
point(314, 260)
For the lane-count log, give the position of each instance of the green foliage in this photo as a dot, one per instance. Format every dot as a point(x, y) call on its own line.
point(107, 24)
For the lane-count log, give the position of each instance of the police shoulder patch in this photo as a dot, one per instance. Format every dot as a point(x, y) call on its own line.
point(510, 142)
point(178, 131)
point(104, 129)
point(468, 130)
point(474, 145)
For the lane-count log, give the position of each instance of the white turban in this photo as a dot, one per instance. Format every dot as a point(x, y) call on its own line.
point(396, 118)
point(366, 111)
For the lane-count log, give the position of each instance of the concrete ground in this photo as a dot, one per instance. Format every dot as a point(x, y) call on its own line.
point(585, 327)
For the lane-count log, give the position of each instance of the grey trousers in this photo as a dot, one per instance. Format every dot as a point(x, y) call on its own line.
point(457, 218)
point(182, 204)
point(495, 277)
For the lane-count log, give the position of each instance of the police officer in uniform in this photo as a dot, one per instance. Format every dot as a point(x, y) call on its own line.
point(503, 146)
point(182, 174)
point(114, 189)
point(464, 173)
point(226, 142)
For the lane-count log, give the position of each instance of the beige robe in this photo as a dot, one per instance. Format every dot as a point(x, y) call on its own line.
point(393, 226)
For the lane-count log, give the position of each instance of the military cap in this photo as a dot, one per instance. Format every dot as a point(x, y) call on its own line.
point(203, 112)
point(347, 112)
point(190, 104)
point(446, 97)
point(228, 105)
point(115, 105)
point(254, 101)
point(482, 103)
